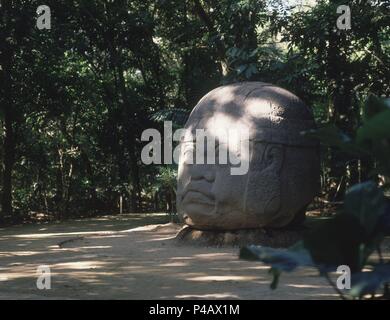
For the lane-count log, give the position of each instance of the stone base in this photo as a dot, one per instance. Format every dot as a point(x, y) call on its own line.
point(276, 238)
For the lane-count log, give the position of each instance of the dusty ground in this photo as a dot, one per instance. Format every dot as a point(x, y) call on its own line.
point(117, 258)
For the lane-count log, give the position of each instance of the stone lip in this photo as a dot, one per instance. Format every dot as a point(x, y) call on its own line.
point(275, 238)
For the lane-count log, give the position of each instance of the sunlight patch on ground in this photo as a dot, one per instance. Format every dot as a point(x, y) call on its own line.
point(208, 296)
point(306, 286)
point(59, 234)
point(18, 272)
point(81, 265)
point(19, 253)
point(161, 239)
point(216, 256)
point(263, 267)
point(327, 295)
point(137, 263)
point(174, 264)
point(223, 278)
point(91, 247)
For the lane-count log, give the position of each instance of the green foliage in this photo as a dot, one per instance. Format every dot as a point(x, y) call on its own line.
point(178, 116)
point(167, 178)
point(74, 100)
point(280, 260)
point(357, 230)
point(365, 283)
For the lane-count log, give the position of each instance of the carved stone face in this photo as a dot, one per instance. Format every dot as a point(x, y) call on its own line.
point(283, 165)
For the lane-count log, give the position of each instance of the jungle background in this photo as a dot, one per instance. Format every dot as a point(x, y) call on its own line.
point(75, 99)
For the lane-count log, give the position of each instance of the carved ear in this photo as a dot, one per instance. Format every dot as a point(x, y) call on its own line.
point(273, 158)
point(264, 185)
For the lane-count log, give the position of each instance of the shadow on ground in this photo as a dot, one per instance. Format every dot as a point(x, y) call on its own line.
point(116, 258)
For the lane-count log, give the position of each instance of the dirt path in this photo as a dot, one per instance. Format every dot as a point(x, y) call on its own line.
point(105, 259)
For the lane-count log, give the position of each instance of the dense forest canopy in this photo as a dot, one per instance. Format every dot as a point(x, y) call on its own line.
point(75, 99)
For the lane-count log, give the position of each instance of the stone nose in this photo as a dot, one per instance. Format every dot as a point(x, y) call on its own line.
point(202, 171)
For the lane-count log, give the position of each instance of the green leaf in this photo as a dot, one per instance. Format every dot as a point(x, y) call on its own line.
point(251, 70)
point(177, 115)
point(367, 203)
point(329, 135)
point(276, 276)
point(332, 136)
point(369, 282)
point(280, 259)
point(376, 128)
point(350, 237)
point(336, 242)
point(253, 53)
point(233, 52)
point(240, 69)
point(381, 150)
point(373, 106)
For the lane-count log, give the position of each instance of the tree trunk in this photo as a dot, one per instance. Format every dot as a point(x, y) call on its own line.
point(8, 161)
point(135, 178)
point(220, 45)
point(156, 202)
point(6, 106)
point(132, 148)
point(340, 89)
point(168, 197)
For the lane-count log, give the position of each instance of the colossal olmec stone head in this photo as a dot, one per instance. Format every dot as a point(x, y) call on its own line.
point(283, 173)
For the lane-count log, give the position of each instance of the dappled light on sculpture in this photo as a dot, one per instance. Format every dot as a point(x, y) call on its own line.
point(283, 175)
